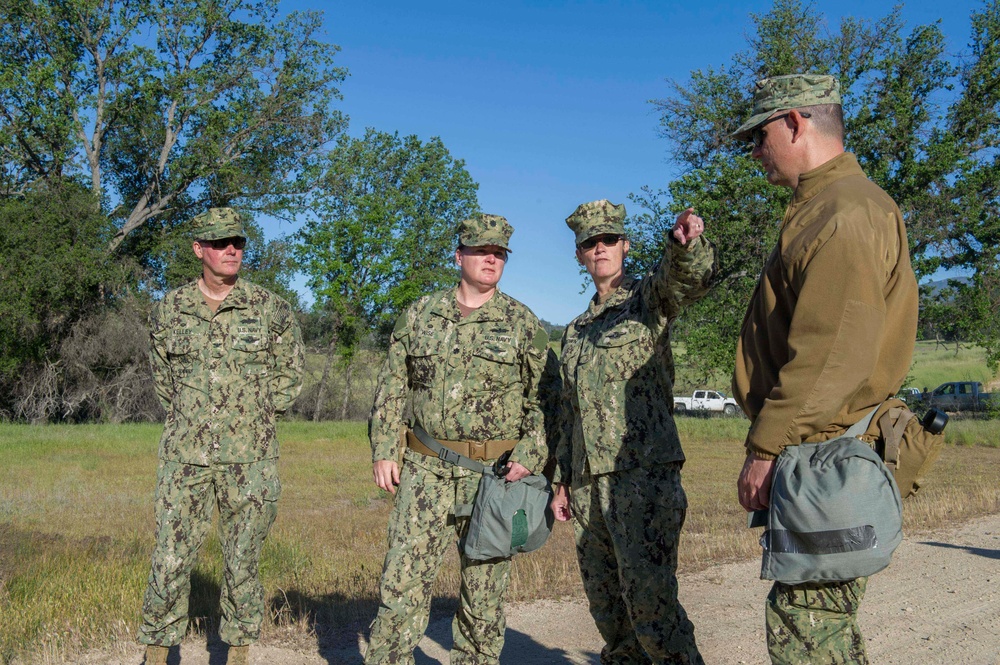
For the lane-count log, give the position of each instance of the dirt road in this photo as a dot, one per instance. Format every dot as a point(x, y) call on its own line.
point(938, 603)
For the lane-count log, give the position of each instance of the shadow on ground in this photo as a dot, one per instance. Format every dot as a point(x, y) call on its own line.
point(977, 551)
point(341, 627)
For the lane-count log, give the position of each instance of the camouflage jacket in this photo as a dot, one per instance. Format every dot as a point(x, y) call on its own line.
point(474, 378)
point(223, 378)
point(618, 369)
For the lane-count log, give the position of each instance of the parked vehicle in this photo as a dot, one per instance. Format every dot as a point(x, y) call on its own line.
point(707, 400)
point(959, 396)
point(912, 396)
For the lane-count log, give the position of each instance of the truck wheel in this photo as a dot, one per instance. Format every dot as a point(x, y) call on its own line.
point(729, 410)
point(679, 408)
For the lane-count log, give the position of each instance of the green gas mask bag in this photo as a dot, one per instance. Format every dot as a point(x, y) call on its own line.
point(505, 518)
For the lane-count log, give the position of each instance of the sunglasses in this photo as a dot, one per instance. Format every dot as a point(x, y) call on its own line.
point(222, 243)
point(608, 240)
point(757, 135)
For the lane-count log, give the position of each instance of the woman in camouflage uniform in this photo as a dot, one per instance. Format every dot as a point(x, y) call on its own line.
point(618, 454)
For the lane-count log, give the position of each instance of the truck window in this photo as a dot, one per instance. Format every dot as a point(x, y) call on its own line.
point(965, 388)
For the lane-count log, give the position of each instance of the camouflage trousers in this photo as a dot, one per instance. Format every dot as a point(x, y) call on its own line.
point(186, 496)
point(421, 529)
point(816, 624)
point(628, 526)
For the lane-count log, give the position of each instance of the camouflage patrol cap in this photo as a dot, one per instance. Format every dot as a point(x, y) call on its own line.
point(484, 230)
point(218, 223)
point(597, 218)
point(781, 93)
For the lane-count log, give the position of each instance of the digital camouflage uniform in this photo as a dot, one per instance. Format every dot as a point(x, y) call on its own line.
point(620, 452)
point(465, 379)
point(222, 378)
point(828, 335)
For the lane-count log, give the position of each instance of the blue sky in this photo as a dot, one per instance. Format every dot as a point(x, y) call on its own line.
point(547, 102)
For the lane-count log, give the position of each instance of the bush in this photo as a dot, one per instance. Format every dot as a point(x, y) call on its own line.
point(100, 373)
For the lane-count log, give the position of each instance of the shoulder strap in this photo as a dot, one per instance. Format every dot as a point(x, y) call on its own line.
point(447, 454)
point(892, 425)
point(860, 427)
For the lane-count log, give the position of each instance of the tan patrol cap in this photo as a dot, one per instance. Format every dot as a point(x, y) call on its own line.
point(781, 93)
point(483, 230)
point(218, 223)
point(597, 218)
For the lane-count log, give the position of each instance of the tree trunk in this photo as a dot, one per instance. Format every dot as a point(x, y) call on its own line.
point(324, 380)
point(347, 390)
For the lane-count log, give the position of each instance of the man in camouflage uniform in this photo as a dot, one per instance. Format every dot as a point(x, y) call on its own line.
point(469, 361)
point(227, 358)
point(618, 456)
point(828, 335)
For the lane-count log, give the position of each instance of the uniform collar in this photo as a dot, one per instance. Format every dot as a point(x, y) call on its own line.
point(616, 298)
point(447, 306)
point(813, 182)
point(191, 300)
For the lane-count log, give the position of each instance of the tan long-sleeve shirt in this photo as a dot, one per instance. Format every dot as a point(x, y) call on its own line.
point(830, 330)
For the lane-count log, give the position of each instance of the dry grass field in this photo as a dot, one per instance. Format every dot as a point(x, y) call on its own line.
point(76, 528)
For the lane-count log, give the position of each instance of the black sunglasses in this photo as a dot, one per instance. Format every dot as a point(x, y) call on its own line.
point(222, 243)
point(608, 240)
point(757, 135)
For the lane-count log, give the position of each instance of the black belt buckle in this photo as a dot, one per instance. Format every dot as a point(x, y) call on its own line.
point(500, 467)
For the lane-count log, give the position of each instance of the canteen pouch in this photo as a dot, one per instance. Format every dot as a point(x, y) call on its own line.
point(909, 450)
point(507, 518)
point(835, 514)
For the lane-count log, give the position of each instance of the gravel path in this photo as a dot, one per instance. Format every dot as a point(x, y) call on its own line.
point(938, 603)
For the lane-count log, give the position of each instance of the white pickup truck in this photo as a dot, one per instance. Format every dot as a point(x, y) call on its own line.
point(707, 400)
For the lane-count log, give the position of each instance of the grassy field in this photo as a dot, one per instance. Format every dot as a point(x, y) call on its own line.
point(76, 529)
point(934, 364)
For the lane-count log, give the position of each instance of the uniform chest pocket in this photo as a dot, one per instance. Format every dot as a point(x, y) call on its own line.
point(493, 367)
point(576, 351)
point(624, 350)
point(184, 352)
point(424, 359)
point(250, 345)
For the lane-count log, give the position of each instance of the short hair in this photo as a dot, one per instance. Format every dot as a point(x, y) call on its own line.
point(828, 119)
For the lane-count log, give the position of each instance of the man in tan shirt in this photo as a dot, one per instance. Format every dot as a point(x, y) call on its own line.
point(828, 335)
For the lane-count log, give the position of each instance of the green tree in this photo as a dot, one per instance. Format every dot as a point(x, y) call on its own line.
point(924, 128)
point(51, 269)
point(383, 233)
point(53, 273)
point(162, 250)
point(165, 106)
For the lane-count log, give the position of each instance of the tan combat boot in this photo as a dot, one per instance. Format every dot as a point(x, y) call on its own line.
point(238, 656)
point(156, 655)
